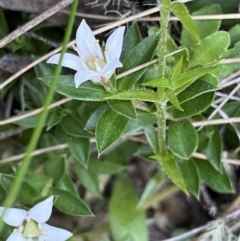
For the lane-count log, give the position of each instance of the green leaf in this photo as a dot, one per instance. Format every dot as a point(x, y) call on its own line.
point(131, 39)
point(182, 13)
point(126, 222)
point(152, 138)
point(30, 194)
point(103, 167)
point(55, 117)
point(210, 49)
point(88, 179)
point(182, 139)
point(234, 34)
point(70, 203)
point(109, 129)
point(3, 27)
point(142, 53)
point(172, 169)
point(143, 95)
point(66, 183)
point(224, 70)
point(86, 91)
point(123, 107)
point(38, 181)
point(193, 106)
point(72, 126)
point(144, 119)
point(177, 69)
point(196, 89)
point(152, 187)
point(80, 148)
point(173, 99)
point(92, 121)
point(191, 177)
point(214, 150)
point(185, 79)
point(161, 83)
point(55, 168)
point(219, 182)
point(204, 28)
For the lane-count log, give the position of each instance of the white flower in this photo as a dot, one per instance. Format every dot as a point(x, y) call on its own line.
point(93, 63)
point(31, 226)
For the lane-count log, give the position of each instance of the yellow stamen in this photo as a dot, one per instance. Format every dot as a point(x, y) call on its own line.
point(96, 42)
point(106, 51)
point(74, 48)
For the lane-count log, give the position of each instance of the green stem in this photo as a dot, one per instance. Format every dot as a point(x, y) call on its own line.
point(161, 105)
point(16, 185)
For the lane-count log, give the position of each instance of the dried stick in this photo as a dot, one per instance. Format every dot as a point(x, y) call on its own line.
point(34, 22)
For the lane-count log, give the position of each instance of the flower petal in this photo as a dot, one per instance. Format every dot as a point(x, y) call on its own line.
point(110, 67)
point(69, 60)
point(16, 237)
point(85, 75)
point(114, 44)
point(42, 211)
point(13, 216)
point(51, 233)
point(86, 42)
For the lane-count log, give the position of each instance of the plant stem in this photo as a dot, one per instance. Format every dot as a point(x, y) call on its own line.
point(161, 105)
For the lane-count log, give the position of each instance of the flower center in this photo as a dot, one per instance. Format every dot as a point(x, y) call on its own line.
point(31, 229)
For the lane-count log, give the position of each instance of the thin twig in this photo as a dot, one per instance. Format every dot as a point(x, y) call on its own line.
point(34, 22)
point(216, 122)
point(152, 19)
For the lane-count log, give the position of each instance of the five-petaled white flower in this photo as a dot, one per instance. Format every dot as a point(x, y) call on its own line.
point(93, 63)
point(31, 226)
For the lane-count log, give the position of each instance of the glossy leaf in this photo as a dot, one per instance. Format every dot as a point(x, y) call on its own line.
point(214, 150)
point(3, 27)
point(161, 83)
point(143, 95)
point(172, 170)
point(80, 148)
point(131, 39)
point(193, 106)
point(66, 183)
point(109, 129)
point(88, 179)
point(182, 13)
point(92, 121)
point(152, 187)
point(204, 28)
point(185, 79)
point(70, 203)
point(86, 91)
point(174, 100)
point(126, 222)
point(210, 49)
point(152, 138)
point(73, 127)
point(144, 119)
point(123, 107)
point(103, 167)
point(182, 139)
point(142, 53)
point(191, 177)
point(55, 168)
point(196, 89)
point(219, 182)
point(30, 194)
